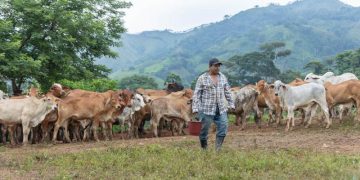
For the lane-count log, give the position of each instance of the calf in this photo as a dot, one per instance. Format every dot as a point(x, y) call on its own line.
point(305, 95)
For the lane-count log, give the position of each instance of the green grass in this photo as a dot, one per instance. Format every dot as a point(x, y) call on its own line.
point(184, 160)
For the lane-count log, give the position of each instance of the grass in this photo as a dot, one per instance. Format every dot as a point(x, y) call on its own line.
point(185, 160)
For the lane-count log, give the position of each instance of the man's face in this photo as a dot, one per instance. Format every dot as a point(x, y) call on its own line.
point(215, 68)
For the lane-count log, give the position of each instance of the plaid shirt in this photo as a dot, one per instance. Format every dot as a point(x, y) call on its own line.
point(207, 95)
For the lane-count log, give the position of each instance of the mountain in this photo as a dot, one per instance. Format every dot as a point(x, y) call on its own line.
point(312, 29)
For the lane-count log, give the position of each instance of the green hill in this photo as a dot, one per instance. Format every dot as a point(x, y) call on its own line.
point(312, 29)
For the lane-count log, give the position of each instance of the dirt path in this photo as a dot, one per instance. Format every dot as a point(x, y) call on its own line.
point(341, 138)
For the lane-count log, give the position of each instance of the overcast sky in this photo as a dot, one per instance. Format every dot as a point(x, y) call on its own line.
point(181, 15)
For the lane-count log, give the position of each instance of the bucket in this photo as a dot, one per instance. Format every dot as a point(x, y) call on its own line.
point(194, 128)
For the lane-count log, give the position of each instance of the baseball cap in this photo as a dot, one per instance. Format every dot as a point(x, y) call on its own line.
point(214, 61)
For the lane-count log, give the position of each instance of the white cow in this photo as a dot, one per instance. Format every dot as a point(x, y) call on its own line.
point(330, 77)
point(306, 95)
point(29, 112)
point(126, 116)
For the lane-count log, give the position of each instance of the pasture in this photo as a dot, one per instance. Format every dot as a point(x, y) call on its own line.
point(314, 153)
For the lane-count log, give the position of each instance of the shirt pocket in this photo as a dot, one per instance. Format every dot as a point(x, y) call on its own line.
point(208, 86)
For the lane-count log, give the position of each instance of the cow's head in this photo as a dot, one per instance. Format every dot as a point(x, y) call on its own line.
point(188, 93)
point(147, 99)
point(51, 102)
point(137, 102)
point(261, 86)
point(57, 90)
point(279, 88)
point(125, 96)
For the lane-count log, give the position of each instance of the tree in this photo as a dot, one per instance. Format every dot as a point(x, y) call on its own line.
point(315, 66)
point(98, 85)
point(254, 66)
point(348, 61)
point(172, 77)
point(275, 51)
point(137, 81)
point(250, 68)
point(54, 40)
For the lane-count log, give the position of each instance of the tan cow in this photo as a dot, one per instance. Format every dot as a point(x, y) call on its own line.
point(82, 105)
point(343, 93)
point(174, 107)
point(267, 94)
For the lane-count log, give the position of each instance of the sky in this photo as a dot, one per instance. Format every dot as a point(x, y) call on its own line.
point(182, 15)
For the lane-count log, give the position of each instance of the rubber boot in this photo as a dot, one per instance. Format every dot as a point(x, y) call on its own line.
point(203, 144)
point(219, 142)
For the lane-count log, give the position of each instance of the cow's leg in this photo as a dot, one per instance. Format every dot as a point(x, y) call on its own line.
point(182, 124)
point(94, 127)
point(310, 112)
point(12, 135)
point(56, 130)
point(103, 129)
point(278, 115)
point(18, 133)
point(26, 131)
point(243, 120)
point(44, 129)
point(271, 117)
point(237, 119)
point(325, 110)
point(66, 131)
point(290, 117)
point(255, 108)
point(358, 110)
point(3, 133)
point(173, 127)
point(154, 125)
point(110, 124)
point(76, 131)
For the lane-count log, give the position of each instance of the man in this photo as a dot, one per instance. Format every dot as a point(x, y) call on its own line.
point(208, 102)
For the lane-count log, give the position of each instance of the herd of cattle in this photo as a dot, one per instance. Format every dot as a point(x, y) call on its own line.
point(73, 115)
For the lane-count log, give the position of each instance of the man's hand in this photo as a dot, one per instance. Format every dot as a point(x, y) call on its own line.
point(195, 115)
point(231, 108)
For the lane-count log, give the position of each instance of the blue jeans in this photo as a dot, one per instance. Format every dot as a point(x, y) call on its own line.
point(220, 121)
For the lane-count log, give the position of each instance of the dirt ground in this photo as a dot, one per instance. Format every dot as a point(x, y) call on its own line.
point(341, 138)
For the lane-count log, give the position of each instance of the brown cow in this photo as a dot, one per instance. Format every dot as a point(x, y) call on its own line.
point(98, 107)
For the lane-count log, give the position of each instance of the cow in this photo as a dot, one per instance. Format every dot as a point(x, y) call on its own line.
point(29, 112)
point(267, 95)
point(98, 107)
point(127, 115)
point(344, 93)
point(330, 77)
point(245, 101)
point(174, 107)
point(57, 90)
point(305, 95)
